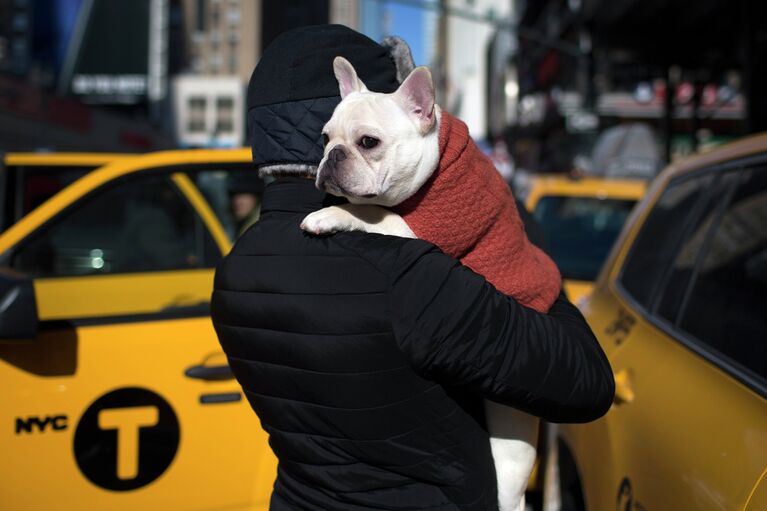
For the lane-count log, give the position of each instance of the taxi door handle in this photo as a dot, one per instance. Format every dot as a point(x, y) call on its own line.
point(203, 372)
point(624, 390)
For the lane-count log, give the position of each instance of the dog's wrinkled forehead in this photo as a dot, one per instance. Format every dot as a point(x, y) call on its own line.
point(363, 111)
point(414, 97)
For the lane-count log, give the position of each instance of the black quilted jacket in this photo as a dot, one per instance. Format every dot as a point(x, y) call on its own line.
point(366, 356)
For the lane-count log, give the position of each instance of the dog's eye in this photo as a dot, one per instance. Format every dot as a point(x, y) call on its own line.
point(325, 139)
point(368, 142)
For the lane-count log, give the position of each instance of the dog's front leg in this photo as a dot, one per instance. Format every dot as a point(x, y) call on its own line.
point(356, 217)
point(513, 439)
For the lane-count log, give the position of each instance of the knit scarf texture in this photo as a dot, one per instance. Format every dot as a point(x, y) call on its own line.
point(468, 211)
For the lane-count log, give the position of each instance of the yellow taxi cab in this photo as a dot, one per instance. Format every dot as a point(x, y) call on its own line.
point(680, 308)
point(116, 392)
point(580, 219)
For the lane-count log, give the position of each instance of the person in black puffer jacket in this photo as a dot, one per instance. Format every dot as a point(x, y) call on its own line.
point(366, 357)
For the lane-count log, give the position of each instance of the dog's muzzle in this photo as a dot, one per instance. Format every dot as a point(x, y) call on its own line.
point(328, 168)
point(333, 177)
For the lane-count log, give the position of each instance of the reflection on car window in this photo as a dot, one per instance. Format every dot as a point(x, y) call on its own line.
point(36, 184)
point(689, 247)
point(143, 224)
point(580, 231)
point(658, 240)
point(234, 194)
point(727, 308)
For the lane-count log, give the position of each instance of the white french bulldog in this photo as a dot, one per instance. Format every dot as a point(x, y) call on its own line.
point(379, 150)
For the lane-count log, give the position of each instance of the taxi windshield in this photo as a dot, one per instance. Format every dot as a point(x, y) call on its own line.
point(28, 186)
point(580, 231)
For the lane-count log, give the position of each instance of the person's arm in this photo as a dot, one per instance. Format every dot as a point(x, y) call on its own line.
point(456, 328)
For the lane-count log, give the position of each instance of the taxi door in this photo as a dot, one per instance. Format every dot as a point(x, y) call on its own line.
point(124, 400)
point(687, 427)
point(758, 500)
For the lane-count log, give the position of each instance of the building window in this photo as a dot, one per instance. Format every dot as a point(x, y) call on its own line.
point(224, 115)
point(233, 63)
point(200, 16)
point(233, 16)
point(215, 63)
point(196, 119)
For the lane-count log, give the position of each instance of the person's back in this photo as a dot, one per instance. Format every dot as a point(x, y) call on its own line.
point(353, 425)
point(366, 357)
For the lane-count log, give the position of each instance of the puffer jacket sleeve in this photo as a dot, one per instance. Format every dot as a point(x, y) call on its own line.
point(457, 329)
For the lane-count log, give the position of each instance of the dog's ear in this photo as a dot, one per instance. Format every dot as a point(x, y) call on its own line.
point(416, 97)
point(347, 77)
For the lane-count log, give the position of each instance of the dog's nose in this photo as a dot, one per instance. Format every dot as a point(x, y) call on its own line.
point(337, 154)
point(322, 175)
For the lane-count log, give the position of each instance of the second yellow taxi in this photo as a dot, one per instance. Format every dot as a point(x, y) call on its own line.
point(680, 309)
point(116, 392)
point(580, 219)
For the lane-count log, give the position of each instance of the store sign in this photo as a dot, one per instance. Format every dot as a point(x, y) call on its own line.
point(119, 53)
point(122, 85)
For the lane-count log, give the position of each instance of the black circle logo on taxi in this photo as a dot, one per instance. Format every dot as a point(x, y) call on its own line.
point(126, 439)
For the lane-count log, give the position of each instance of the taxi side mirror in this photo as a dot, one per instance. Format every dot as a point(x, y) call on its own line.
point(18, 307)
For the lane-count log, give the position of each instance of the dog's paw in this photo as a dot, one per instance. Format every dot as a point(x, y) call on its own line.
point(329, 220)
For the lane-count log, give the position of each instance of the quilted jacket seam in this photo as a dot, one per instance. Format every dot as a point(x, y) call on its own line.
point(387, 277)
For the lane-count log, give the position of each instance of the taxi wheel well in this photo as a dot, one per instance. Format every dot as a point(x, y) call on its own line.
point(569, 480)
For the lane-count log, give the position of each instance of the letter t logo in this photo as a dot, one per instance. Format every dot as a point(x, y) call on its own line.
point(127, 422)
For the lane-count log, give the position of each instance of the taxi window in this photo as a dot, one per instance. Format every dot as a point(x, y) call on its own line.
point(580, 231)
point(691, 243)
point(234, 195)
point(30, 186)
point(727, 305)
point(139, 225)
point(660, 235)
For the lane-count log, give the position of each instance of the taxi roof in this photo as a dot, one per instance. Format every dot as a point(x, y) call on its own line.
point(739, 149)
point(561, 184)
point(55, 159)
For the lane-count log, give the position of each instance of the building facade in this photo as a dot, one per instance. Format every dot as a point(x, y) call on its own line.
point(470, 28)
point(223, 36)
point(225, 39)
